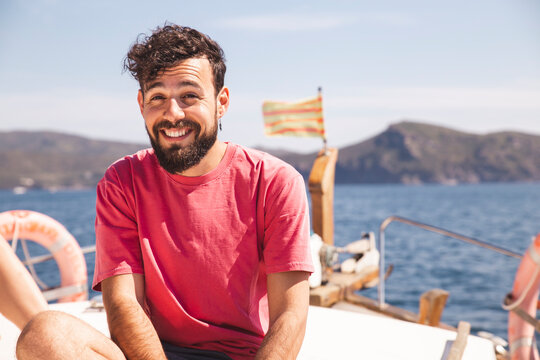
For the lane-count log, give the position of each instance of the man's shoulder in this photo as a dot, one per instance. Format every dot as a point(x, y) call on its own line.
point(130, 164)
point(264, 161)
point(140, 158)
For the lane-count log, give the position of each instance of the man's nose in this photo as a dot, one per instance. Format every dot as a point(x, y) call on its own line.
point(174, 111)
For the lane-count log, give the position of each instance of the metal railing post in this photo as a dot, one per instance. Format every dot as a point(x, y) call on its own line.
point(381, 290)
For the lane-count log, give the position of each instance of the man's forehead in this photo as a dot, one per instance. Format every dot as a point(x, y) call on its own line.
point(193, 71)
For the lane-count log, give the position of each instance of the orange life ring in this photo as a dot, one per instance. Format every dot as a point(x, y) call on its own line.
point(49, 233)
point(524, 298)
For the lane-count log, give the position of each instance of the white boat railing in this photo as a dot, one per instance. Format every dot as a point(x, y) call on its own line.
point(47, 257)
point(384, 224)
point(56, 292)
point(435, 229)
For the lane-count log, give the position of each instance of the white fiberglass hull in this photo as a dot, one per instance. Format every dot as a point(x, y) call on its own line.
point(330, 334)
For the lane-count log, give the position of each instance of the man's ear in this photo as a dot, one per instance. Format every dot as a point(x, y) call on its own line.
point(140, 100)
point(222, 102)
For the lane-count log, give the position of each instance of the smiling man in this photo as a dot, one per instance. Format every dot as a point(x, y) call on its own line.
point(188, 132)
point(202, 245)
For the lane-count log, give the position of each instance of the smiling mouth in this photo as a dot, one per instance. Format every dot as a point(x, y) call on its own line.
point(176, 133)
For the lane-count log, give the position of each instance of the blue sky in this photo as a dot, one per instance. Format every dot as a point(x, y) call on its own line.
point(469, 65)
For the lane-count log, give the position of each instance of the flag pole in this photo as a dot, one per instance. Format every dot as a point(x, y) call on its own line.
point(325, 145)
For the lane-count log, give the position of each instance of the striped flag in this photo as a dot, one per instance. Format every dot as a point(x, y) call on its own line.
point(302, 118)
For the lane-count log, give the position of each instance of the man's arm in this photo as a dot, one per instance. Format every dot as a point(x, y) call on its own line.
point(288, 303)
point(130, 327)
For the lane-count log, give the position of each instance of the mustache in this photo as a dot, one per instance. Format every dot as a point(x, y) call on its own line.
point(184, 123)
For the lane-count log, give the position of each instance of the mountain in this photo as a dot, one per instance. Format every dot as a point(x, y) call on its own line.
point(407, 152)
point(413, 153)
point(55, 160)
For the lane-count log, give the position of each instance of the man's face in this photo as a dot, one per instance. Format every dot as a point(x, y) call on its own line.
point(180, 112)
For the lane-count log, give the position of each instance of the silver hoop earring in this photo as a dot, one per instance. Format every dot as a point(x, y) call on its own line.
point(220, 129)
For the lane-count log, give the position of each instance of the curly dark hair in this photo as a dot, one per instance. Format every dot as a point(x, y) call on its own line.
point(151, 55)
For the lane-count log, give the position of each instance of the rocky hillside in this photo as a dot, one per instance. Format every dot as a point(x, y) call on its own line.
point(407, 152)
point(55, 160)
point(413, 153)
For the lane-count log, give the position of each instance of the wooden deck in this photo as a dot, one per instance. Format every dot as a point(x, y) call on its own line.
point(341, 288)
point(339, 285)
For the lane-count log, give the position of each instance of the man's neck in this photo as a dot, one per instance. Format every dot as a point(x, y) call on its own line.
point(210, 161)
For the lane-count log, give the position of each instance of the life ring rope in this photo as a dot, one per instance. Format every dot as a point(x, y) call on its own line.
point(15, 234)
point(534, 254)
point(522, 303)
point(31, 267)
point(21, 225)
point(14, 243)
point(58, 244)
point(58, 293)
point(535, 257)
point(521, 342)
point(527, 317)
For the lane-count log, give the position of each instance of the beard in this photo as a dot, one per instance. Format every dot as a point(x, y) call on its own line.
point(177, 159)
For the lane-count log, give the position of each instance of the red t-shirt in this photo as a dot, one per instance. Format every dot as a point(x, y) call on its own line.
point(204, 244)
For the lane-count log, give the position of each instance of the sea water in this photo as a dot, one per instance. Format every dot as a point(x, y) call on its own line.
point(477, 279)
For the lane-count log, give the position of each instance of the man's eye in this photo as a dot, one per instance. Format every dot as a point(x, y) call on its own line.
point(189, 99)
point(157, 97)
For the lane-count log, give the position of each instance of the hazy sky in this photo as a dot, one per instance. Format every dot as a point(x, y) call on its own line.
point(468, 65)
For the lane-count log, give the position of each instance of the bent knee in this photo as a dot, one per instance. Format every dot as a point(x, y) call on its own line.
point(42, 334)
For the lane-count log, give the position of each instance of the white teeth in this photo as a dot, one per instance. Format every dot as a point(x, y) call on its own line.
point(174, 132)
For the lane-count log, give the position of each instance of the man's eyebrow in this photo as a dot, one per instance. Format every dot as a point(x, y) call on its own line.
point(180, 84)
point(154, 85)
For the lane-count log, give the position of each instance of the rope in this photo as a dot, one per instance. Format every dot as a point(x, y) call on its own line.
point(536, 259)
point(512, 306)
point(508, 305)
point(521, 342)
point(15, 235)
point(27, 257)
point(60, 292)
point(528, 318)
point(31, 266)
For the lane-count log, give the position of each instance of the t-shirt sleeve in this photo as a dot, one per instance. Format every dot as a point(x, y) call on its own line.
point(286, 234)
point(117, 242)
